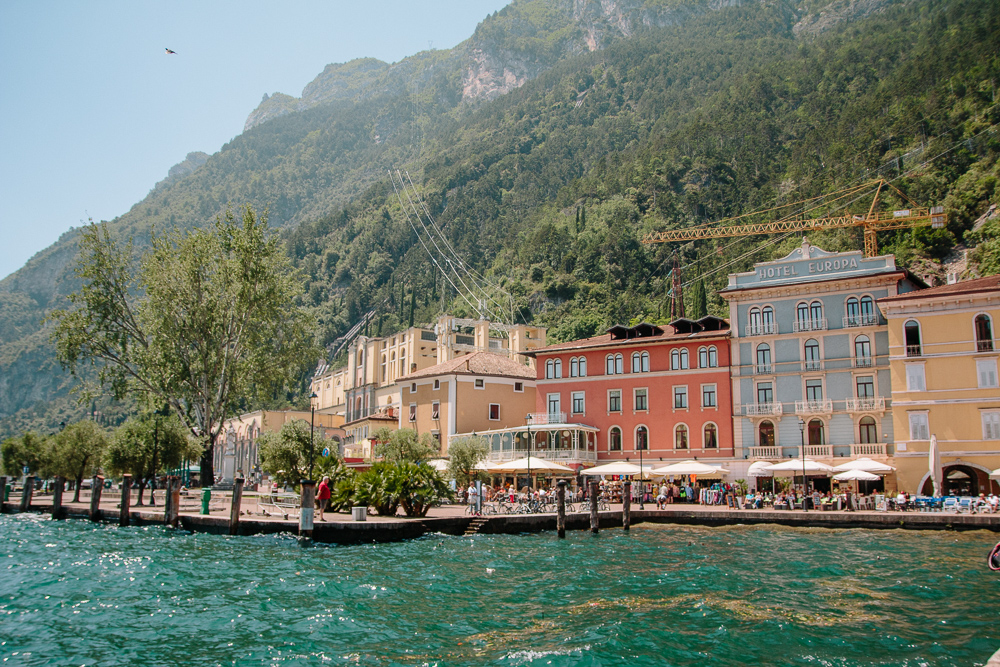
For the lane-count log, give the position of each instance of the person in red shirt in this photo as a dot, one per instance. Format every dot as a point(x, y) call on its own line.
point(323, 496)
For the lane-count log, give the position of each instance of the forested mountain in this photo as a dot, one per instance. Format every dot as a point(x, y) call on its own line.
point(549, 143)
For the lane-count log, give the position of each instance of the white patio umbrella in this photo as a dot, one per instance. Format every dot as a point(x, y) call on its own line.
point(619, 468)
point(866, 464)
point(760, 469)
point(934, 464)
point(690, 468)
point(438, 464)
point(857, 475)
point(529, 463)
point(795, 466)
point(995, 474)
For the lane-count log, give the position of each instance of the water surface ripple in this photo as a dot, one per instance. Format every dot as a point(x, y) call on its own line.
point(74, 593)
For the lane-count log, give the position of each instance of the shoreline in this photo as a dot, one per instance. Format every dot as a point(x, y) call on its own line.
point(452, 520)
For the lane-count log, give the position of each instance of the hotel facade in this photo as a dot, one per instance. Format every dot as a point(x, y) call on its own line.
point(810, 354)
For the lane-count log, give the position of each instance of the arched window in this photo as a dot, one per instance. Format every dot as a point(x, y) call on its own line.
point(765, 433)
point(615, 364)
point(767, 315)
point(816, 313)
point(863, 352)
point(574, 367)
point(756, 323)
point(713, 357)
point(685, 362)
point(615, 439)
point(558, 368)
point(702, 357)
point(853, 312)
point(641, 438)
point(868, 315)
point(802, 316)
point(583, 367)
point(813, 362)
point(711, 436)
point(640, 362)
point(867, 432)
point(911, 333)
point(681, 437)
point(763, 358)
point(550, 369)
point(984, 333)
point(817, 435)
point(675, 360)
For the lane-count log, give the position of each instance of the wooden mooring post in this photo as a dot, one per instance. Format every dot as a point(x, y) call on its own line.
point(561, 508)
point(234, 509)
point(57, 494)
point(124, 511)
point(594, 521)
point(172, 502)
point(307, 507)
point(96, 487)
point(3, 492)
point(29, 488)
point(626, 505)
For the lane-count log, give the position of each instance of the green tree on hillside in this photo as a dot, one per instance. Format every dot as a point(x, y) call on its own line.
point(202, 321)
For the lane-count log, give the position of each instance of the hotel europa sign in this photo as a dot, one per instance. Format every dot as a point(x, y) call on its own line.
point(798, 269)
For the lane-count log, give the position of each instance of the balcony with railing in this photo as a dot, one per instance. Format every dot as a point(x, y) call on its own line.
point(812, 365)
point(546, 418)
point(869, 449)
point(817, 324)
point(761, 409)
point(763, 369)
point(866, 404)
point(864, 362)
point(865, 320)
point(984, 345)
point(764, 452)
point(913, 351)
point(765, 329)
point(819, 451)
point(821, 407)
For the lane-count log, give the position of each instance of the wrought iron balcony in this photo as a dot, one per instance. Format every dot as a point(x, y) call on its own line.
point(865, 320)
point(546, 418)
point(866, 404)
point(761, 409)
point(864, 362)
point(821, 407)
point(766, 329)
point(818, 324)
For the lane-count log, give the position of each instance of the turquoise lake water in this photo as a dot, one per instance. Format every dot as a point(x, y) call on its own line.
point(74, 593)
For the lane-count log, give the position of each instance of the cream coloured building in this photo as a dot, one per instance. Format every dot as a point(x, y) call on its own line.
point(368, 384)
point(943, 355)
point(480, 391)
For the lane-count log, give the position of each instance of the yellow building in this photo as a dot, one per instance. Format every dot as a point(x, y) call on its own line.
point(480, 391)
point(943, 360)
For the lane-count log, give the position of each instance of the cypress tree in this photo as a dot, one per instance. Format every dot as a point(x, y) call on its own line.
point(413, 304)
point(699, 306)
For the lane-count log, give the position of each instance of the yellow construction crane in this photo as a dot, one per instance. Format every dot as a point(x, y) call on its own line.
point(871, 222)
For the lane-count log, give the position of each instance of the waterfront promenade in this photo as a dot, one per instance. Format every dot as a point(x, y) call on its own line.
point(340, 527)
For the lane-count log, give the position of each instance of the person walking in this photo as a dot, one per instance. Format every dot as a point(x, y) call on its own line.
point(323, 496)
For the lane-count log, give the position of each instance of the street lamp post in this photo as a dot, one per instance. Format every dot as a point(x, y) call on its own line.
point(642, 487)
point(802, 453)
point(312, 420)
point(527, 423)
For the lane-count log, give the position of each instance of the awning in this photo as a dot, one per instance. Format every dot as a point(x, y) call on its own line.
point(691, 468)
point(760, 469)
point(866, 464)
point(618, 468)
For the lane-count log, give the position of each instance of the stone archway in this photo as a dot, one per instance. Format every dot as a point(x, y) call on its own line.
point(961, 479)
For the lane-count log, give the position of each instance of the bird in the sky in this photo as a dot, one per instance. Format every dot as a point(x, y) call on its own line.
point(169, 51)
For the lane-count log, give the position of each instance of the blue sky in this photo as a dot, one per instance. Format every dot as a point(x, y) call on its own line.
point(93, 112)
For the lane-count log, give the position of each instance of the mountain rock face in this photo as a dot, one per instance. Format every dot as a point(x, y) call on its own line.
point(550, 141)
